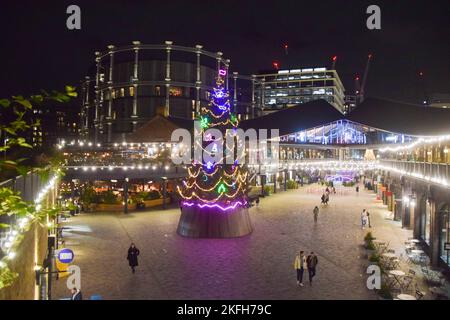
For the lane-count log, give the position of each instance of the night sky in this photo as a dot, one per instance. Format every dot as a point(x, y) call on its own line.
point(39, 52)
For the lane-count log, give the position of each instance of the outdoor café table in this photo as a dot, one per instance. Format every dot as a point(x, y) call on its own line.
point(414, 241)
point(404, 296)
point(397, 274)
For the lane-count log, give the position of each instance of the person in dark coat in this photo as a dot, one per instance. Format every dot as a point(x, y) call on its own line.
point(76, 294)
point(311, 263)
point(132, 257)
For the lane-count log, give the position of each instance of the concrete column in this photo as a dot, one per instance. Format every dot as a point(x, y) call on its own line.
point(164, 193)
point(86, 105)
point(434, 235)
point(198, 81)
point(253, 96)
point(235, 74)
point(135, 79)
point(263, 182)
point(97, 96)
point(285, 180)
point(125, 196)
point(275, 183)
point(227, 65)
point(262, 91)
point(168, 49)
point(219, 60)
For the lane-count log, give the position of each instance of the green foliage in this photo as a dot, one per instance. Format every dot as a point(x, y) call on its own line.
point(291, 184)
point(108, 197)
point(18, 110)
point(348, 184)
point(385, 292)
point(268, 190)
point(144, 195)
point(7, 277)
point(11, 203)
point(89, 196)
point(369, 236)
point(370, 245)
point(375, 257)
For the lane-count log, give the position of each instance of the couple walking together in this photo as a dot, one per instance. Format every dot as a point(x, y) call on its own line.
point(309, 263)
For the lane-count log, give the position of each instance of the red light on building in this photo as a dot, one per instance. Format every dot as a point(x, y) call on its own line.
point(275, 65)
point(334, 58)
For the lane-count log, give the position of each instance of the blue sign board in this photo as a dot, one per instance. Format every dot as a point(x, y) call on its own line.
point(65, 256)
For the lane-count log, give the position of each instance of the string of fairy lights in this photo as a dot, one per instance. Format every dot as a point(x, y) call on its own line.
point(18, 228)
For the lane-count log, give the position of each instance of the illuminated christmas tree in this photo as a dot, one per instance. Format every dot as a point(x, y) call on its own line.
point(214, 194)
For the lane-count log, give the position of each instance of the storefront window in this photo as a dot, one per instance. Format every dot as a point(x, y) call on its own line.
point(444, 236)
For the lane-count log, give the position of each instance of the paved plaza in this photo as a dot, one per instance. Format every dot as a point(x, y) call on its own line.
point(258, 266)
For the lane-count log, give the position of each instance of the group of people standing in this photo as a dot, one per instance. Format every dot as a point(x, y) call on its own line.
point(302, 263)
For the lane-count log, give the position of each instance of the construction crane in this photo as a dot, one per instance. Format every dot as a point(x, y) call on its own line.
point(423, 86)
point(357, 85)
point(364, 79)
point(333, 64)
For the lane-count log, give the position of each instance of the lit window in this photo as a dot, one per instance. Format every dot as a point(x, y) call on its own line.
point(122, 92)
point(176, 91)
point(131, 91)
point(158, 90)
point(113, 94)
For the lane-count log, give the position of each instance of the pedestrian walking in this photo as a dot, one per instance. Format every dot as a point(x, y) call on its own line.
point(323, 198)
point(257, 201)
point(311, 264)
point(368, 219)
point(327, 198)
point(76, 294)
point(357, 189)
point(300, 265)
point(132, 257)
point(363, 219)
point(316, 213)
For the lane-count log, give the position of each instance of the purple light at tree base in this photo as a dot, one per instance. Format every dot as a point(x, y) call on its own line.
point(233, 206)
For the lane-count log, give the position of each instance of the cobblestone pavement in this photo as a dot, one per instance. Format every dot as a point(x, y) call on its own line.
point(258, 266)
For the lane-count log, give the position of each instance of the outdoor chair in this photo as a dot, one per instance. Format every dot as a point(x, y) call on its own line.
point(406, 282)
point(419, 295)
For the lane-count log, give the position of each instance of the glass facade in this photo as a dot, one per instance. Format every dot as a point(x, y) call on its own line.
point(292, 87)
point(344, 132)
